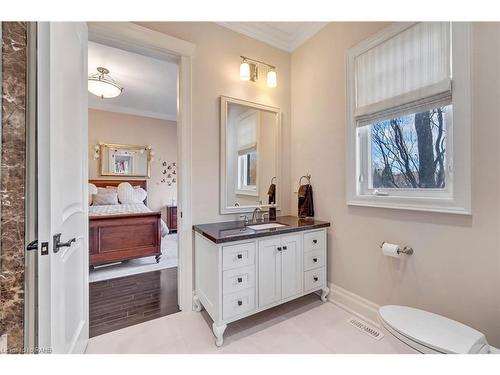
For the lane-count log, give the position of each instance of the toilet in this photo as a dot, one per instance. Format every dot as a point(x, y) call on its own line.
point(430, 333)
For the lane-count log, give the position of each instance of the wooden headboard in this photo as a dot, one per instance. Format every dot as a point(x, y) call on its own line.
point(103, 183)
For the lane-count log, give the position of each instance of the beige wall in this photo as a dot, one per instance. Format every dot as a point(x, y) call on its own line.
point(216, 72)
point(455, 270)
point(111, 127)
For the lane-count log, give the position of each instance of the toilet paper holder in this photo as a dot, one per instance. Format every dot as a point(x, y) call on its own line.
point(406, 250)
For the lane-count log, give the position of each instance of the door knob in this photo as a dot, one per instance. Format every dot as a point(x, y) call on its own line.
point(58, 244)
point(315, 260)
point(284, 247)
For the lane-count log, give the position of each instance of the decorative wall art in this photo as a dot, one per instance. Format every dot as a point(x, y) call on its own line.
point(169, 173)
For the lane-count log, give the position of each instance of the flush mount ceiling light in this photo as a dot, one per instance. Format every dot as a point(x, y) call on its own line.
point(249, 71)
point(102, 85)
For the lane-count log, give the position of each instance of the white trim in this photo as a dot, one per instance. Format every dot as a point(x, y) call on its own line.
point(147, 42)
point(144, 41)
point(460, 200)
point(355, 304)
point(275, 37)
point(108, 107)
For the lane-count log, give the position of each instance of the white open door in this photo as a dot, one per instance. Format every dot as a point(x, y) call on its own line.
point(63, 318)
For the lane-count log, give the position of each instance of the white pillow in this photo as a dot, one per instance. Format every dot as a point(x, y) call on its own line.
point(92, 191)
point(106, 190)
point(128, 195)
point(105, 199)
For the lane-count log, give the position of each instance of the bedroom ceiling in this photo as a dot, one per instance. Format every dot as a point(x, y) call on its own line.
point(149, 84)
point(283, 35)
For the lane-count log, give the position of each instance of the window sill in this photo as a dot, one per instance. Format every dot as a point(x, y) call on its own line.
point(247, 193)
point(448, 206)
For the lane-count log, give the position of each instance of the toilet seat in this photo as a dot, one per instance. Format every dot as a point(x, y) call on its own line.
point(431, 333)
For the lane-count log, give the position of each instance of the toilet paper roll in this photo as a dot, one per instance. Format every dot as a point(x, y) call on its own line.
point(390, 249)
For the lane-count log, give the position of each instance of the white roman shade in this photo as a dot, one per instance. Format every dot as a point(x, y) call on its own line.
point(409, 72)
point(247, 132)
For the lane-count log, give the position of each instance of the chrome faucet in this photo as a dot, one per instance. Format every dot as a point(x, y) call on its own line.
point(255, 214)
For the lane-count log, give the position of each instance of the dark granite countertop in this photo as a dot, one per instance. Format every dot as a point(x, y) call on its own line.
point(230, 231)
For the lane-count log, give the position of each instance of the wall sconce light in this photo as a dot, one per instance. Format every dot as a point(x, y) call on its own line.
point(249, 71)
point(272, 80)
point(96, 153)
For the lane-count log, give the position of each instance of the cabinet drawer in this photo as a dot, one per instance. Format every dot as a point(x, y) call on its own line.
point(314, 259)
point(238, 279)
point(235, 304)
point(238, 255)
point(315, 240)
point(314, 279)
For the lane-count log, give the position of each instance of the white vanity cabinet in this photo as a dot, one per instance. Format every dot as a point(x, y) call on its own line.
point(237, 279)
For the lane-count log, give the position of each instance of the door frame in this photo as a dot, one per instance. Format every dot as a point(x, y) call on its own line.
point(135, 38)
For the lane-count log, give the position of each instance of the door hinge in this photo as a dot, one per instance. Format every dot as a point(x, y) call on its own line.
point(181, 214)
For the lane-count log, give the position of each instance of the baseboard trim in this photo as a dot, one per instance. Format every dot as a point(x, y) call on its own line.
point(357, 305)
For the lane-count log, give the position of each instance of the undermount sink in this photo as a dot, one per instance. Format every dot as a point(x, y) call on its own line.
point(266, 226)
point(237, 232)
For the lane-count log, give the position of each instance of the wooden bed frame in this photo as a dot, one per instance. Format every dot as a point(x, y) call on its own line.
point(115, 238)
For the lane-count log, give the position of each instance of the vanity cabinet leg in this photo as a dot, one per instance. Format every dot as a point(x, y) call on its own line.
point(197, 306)
point(218, 330)
point(324, 293)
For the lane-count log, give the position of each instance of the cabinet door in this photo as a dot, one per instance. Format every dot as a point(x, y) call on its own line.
point(269, 271)
point(292, 272)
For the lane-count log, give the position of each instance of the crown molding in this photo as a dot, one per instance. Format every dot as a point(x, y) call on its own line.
point(275, 37)
point(102, 106)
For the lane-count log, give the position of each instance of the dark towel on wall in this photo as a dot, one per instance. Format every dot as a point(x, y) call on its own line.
point(272, 194)
point(306, 205)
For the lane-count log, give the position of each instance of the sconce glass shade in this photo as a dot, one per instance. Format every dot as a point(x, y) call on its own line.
point(245, 71)
point(102, 85)
point(272, 79)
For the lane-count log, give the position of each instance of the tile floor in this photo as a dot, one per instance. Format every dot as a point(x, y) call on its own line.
point(305, 325)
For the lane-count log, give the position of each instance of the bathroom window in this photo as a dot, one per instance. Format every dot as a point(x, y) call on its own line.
point(409, 151)
point(408, 143)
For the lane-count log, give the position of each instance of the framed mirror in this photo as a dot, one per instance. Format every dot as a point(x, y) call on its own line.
point(125, 160)
point(250, 156)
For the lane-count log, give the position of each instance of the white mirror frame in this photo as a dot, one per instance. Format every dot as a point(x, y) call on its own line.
point(224, 102)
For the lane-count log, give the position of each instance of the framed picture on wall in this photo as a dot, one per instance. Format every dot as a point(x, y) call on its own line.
point(123, 164)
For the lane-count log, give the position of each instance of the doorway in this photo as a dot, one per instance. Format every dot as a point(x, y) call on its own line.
point(132, 160)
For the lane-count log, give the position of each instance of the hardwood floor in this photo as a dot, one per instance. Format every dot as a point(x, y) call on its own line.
point(130, 300)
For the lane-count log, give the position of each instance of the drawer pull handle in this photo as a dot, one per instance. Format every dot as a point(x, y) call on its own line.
point(315, 241)
point(315, 260)
point(240, 303)
point(239, 256)
point(284, 247)
point(315, 278)
point(240, 280)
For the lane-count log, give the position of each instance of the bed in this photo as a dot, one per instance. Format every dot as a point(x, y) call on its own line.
point(124, 231)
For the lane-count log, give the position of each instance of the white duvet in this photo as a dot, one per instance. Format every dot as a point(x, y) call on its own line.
point(122, 209)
